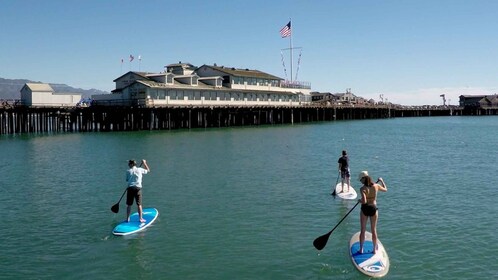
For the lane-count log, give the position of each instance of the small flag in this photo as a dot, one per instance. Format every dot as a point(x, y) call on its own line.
point(122, 60)
point(131, 58)
point(139, 57)
point(286, 30)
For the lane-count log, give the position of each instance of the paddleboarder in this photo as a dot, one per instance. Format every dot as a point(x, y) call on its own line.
point(344, 169)
point(134, 191)
point(369, 208)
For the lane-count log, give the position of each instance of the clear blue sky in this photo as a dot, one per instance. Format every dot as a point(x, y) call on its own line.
point(411, 51)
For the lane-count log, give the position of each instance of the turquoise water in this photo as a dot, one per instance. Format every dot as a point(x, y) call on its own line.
point(247, 203)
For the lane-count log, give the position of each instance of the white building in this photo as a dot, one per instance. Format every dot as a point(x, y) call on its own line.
point(184, 84)
point(43, 95)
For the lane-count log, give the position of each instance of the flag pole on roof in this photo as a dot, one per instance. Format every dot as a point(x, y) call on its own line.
point(285, 32)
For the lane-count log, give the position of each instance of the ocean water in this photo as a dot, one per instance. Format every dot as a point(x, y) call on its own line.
point(247, 203)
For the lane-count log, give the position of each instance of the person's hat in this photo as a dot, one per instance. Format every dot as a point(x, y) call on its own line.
point(132, 161)
point(362, 174)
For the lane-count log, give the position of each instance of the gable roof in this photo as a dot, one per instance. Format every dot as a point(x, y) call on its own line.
point(141, 74)
point(39, 87)
point(243, 72)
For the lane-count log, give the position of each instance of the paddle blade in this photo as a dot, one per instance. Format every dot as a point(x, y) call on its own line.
point(333, 193)
point(321, 241)
point(115, 208)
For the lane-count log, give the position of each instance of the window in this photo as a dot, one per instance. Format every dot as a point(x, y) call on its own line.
point(225, 95)
point(179, 95)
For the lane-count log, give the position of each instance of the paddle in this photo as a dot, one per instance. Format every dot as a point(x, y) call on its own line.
point(115, 207)
point(321, 241)
point(336, 181)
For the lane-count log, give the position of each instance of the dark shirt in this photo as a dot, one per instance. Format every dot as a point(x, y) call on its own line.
point(344, 161)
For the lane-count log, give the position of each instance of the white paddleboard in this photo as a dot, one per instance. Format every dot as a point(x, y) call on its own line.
point(347, 194)
point(134, 225)
point(372, 265)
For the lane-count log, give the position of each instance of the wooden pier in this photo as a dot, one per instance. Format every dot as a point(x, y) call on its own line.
point(18, 120)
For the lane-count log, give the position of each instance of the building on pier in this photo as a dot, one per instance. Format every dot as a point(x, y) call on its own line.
point(182, 84)
point(340, 98)
point(479, 101)
point(43, 95)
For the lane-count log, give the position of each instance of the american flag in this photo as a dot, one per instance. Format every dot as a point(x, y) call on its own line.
point(286, 30)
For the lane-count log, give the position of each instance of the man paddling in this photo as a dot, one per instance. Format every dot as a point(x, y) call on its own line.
point(134, 191)
point(344, 169)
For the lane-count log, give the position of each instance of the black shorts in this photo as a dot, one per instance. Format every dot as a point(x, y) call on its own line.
point(134, 193)
point(345, 174)
point(368, 210)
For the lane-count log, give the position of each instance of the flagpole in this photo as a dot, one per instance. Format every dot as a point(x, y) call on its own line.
point(290, 40)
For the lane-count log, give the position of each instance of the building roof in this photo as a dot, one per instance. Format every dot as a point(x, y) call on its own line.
point(180, 64)
point(243, 72)
point(39, 87)
point(473, 96)
point(141, 74)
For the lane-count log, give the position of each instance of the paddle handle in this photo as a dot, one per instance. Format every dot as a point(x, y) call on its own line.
point(344, 217)
point(122, 195)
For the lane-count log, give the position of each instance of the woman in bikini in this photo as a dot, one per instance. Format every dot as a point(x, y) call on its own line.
point(369, 206)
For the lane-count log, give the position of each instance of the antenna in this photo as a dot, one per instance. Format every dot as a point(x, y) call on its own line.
point(444, 99)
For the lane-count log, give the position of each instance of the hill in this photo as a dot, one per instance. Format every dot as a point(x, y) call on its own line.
point(11, 89)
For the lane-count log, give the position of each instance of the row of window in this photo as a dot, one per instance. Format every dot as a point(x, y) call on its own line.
point(215, 95)
point(253, 81)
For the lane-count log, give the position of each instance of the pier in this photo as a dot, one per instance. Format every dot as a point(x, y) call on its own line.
point(21, 119)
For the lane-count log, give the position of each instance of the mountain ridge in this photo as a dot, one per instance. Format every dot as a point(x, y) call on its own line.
point(11, 88)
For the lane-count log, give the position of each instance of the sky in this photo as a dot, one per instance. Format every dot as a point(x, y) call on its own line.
point(408, 51)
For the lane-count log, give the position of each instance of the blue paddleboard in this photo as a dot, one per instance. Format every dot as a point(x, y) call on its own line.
point(133, 226)
point(373, 265)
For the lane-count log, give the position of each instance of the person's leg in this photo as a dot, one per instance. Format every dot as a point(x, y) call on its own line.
point(373, 224)
point(128, 211)
point(129, 203)
point(139, 206)
point(363, 225)
point(348, 180)
point(140, 214)
point(342, 181)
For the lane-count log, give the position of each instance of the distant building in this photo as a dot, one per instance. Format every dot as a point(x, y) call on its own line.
point(346, 97)
point(323, 97)
point(339, 98)
point(43, 95)
point(481, 101)
point(207, 85)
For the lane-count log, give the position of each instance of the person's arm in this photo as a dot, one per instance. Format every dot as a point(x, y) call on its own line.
point(382, 186)
point(145, 165)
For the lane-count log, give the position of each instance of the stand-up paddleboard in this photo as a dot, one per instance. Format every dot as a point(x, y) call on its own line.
point(134, 225)
point(347, 194)
point(372, 265)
